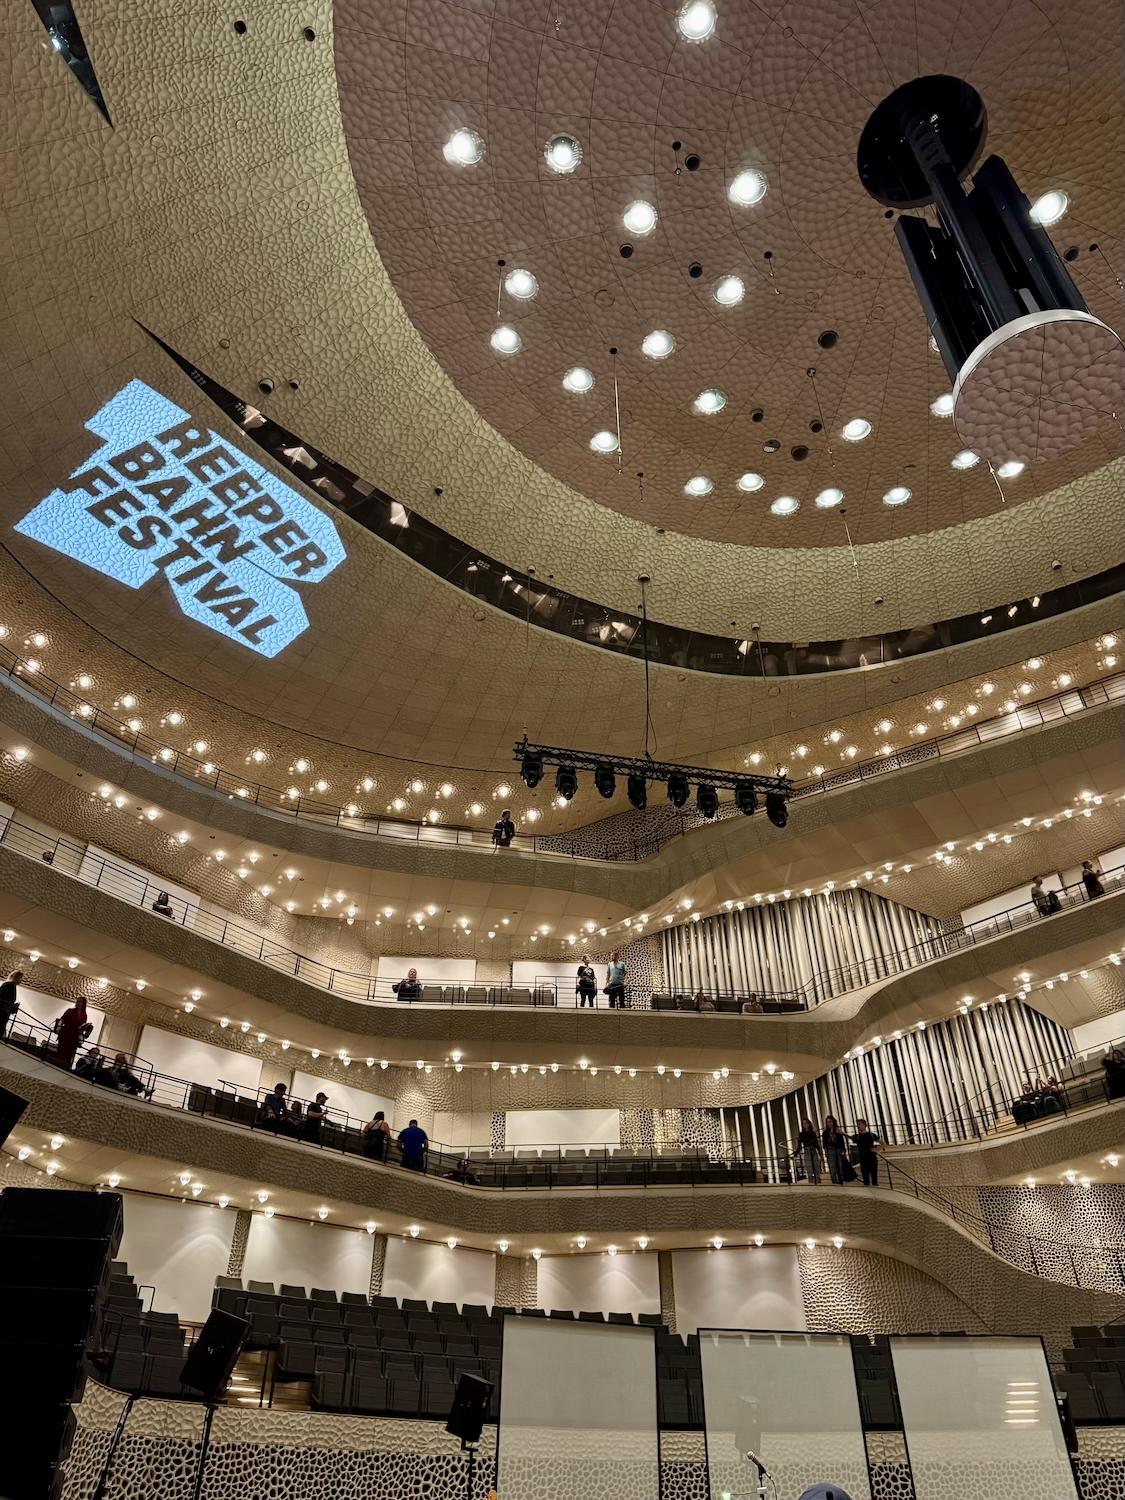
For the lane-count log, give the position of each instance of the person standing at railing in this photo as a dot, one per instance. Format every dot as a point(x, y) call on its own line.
point(274, 1111)
point(162, 906)
point(587, 984)
point(835, 1145)
point(504, 830)
point(413, 1142)
point(9, 1000)
point(867, 1144)
point(1046, 902)
point(314, 1119)
point(809, 1152)
point(376, 1134)
point(1091, 879)
point(1113, 1065)
point(408, 988)
point(615, 982)
point(71, 1029)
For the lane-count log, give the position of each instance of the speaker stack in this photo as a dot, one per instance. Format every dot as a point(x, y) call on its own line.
point(55, 1254)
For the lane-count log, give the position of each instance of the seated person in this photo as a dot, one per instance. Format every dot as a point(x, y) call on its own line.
point(1026, 1107)
point(294, 1120)
point(753, 1007)
point(461, 1173)
point(163, 905)
point(90, 1064)
point(120, 1077)
point(408, 988)
point(314, 1118)
point(273, 1111)
point(702, 1001)
point(1050, 1096)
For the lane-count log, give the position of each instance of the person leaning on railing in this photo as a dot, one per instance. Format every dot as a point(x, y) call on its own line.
point(1113, 1064)
point(9, 1000)
point(408, 988)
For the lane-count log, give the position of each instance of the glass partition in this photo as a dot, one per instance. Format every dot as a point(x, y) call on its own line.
point(790, 1398)
point(980, 1419)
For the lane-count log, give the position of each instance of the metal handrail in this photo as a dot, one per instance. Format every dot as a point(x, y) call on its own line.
point(198, 772)
point(645, 1168)
point(136, 889)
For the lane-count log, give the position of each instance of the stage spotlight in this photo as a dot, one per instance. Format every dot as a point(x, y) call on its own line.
point(776, 810)
point(566, 781)
point(604, 779)
point(637, 789)
point(746, 797)
point(532, 769)
point(677, 789)
point(707, 800)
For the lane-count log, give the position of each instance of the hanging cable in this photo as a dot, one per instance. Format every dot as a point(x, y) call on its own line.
point(499, 283)
point(644, 580)
point(616, 406)
point(851, 544)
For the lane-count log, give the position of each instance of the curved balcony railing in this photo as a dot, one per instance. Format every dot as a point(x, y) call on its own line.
point(554, 1167)
point(76, 861)
point(666, 823)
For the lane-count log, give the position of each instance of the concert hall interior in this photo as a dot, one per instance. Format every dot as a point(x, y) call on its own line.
point(622, 503)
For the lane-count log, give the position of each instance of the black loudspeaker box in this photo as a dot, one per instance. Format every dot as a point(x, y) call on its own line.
point(63, 1215)
point(45, 1260)
point(12, 1107)
point(470, 1408)
point(212, 1357)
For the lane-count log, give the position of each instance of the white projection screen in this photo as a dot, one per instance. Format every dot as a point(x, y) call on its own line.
point(791, 1399)
point(577, 1412)
point(980, 1419)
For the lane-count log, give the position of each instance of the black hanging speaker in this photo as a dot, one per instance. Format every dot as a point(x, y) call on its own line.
point(212, 1357)
point(63, 1215)
point(469, 1411)
point(12, 1107)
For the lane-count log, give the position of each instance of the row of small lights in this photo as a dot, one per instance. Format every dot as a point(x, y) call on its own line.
point(1072, 1178)
point(223, 1200)
point(503, 791)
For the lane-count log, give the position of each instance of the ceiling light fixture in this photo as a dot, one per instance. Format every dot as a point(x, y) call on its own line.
point(1011, 470)
point(696, 20)
point(562, 154)
point(855, 430)
point(707, 403)
point(942, 406)
point(505, 340)
point(748, 483)
point(966, 459)
point(464, 148)
point(829, 497)
point(658, 344)
point(699, 484)
point(785, 505)
point(1049, 208)
point(729, 291)
point(521, 284)
point(578, 380)
point(748, 188)
point(898, 495)
point(639, 217)
point(604, 442)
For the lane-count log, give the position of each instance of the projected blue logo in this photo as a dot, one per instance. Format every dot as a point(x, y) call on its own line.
point(164, 496)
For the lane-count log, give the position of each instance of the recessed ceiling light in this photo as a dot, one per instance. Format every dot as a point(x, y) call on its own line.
point(562, 154)
point(785, 505)
point(521, 284)
point(604, 442)
point(639, 217)
point(1050, 208)
point(698, 485)
point(943, 406)
point(506, 340)
point(464, 148)
point(1011, 470)
point(579, 380)
point(856, 430)
point(658, 344)
point(707, 403)
point(748, 188)
point(748, 483)
point(966, 459)
point(829, 497)
point(728, 291)
point(696, 20)
point(899, 495)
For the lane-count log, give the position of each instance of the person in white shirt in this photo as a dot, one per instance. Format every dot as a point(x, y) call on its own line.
point(615, 983)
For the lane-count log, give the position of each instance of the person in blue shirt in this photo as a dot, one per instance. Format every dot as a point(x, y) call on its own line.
point(274, 1111)
point(615, 983)
point(413, 1142)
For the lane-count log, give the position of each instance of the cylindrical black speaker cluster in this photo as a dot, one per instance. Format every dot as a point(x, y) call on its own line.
point(55, 1254)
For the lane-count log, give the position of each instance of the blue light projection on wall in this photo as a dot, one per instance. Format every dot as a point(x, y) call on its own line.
point(165, 495)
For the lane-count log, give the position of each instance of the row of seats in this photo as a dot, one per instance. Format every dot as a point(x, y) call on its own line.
point(758, 1005)
point(143, 1352)
point(1092, 1378)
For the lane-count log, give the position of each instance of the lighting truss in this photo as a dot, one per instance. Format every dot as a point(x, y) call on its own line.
point(651, 770)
